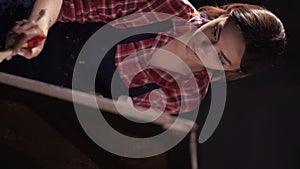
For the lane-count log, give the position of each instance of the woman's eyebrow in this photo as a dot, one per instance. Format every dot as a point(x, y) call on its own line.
point(220, 30)
point(226, 58)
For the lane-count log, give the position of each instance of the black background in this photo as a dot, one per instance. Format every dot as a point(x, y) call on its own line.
point(260, 124)
point(260, 127)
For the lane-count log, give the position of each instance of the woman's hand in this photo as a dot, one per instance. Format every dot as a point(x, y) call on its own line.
point(20, 34)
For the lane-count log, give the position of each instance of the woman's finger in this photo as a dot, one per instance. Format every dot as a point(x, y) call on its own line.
point(14, 35)
point(20, 34)
point(32, 52)
point(27, 35)
point(24, 26)
point(11, 39)
point(17, 25)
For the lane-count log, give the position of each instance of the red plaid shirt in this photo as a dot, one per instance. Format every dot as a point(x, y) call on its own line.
point(177, 93)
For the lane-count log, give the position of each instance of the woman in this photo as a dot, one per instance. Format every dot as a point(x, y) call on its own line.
point(246, 38)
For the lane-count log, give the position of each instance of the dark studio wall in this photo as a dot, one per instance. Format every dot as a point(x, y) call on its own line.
point(260, 125)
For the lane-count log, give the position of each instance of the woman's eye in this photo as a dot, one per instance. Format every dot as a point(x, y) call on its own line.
point(215, 32)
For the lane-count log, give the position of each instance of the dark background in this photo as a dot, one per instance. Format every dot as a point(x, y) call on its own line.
point(260, 124)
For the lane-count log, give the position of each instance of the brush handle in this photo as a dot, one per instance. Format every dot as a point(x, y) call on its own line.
point(6, 54)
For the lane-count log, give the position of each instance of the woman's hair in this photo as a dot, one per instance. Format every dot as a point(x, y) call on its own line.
point(263, 32)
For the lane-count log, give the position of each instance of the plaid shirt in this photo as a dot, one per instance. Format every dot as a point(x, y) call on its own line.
point(177, 93)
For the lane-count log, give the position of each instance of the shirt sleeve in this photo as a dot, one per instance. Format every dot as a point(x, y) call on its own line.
point(108, 10)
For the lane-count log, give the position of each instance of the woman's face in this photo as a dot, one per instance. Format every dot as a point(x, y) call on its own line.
point(223, 43)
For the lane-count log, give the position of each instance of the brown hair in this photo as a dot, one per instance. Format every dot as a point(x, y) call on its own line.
point(263, 32)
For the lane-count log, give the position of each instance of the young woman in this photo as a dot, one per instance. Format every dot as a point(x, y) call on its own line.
point(247, 38)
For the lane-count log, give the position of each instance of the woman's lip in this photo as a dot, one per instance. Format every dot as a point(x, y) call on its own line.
point(193, 48)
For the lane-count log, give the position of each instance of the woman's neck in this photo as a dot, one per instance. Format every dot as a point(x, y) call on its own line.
point(177, 56)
